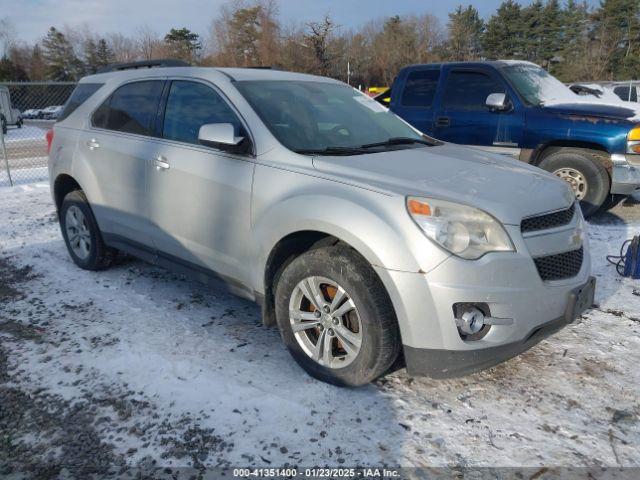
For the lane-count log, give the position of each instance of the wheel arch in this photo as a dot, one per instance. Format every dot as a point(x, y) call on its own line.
point(62, 186)
point(596, 150)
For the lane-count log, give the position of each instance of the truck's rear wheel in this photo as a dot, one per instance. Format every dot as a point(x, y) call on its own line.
point(587, 177)
point(336, 318)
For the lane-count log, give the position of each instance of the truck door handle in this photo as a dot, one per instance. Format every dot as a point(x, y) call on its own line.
point(161, 163)
point(443, 122)
point(93, 144)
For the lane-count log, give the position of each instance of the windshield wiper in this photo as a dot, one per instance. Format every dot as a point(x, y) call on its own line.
point(398, 141)
point(331, 151)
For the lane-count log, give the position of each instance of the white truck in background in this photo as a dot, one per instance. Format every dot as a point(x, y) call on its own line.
point(8, 114)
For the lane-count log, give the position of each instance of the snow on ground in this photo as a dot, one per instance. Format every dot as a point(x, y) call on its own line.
point(145, 367)
point(26, 133)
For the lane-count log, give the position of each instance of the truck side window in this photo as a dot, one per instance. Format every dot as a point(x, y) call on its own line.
point(420, 88)
point(468, 90)
point(191, 105)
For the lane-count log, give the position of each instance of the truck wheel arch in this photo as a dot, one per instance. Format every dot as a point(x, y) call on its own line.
point(597, 151)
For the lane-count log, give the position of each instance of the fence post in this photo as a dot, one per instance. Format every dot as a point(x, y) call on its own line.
point(6, 158)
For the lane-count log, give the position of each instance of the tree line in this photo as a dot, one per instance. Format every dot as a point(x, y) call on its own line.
point(570, 39)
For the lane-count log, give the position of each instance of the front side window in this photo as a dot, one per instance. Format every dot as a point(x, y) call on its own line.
point(316, 116)
point(420, 88)
point(468, 90)
point(131, 108)
point(191, 105)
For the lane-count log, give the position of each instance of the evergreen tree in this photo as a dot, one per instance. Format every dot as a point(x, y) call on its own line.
point(59, 57)
point(617, 24)
point(503, 35)
point(465, 34)
point(183, 44)
point(97, 55)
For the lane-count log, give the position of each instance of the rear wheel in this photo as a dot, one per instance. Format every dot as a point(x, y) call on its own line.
point(3, 125)
point(81, 233)
point(336, 318)
point(585, 175)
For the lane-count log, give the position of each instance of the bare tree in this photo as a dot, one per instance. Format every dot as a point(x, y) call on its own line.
point(149, 44)
point(318, 38)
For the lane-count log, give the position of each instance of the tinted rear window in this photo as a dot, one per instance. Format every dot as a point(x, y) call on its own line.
point(131, 108)
point(80, 95)
point(420, 88)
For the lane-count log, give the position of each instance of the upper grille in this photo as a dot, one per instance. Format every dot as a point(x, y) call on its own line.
point(548, 220)
point(560, 266)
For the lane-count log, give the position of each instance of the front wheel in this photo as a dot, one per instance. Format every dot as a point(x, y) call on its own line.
point(336, 318)
point(585, 175)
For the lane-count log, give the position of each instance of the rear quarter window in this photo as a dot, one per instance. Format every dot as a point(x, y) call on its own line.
point(80, 95)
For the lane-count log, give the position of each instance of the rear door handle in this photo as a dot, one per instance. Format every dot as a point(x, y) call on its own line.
point(93, 144)
point(161, 163)
point(443, 121)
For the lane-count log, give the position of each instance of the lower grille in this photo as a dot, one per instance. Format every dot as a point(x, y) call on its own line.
point(560, 266)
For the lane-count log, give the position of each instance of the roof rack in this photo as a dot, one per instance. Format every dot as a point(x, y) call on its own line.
point(162, 62)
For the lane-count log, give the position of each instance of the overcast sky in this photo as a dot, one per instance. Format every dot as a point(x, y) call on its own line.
point(32, 18)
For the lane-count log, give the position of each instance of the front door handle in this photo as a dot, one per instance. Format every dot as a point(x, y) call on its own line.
point(93, 144)
point(161, 163)
point(443, 122)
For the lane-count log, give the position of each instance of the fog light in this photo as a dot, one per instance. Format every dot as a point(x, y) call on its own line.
point(471, 321)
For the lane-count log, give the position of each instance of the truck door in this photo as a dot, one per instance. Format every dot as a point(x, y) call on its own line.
point(415, 102)
point(464, 118)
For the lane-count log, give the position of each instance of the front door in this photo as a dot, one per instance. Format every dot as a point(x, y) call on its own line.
point(465, 119)
point(199, 197)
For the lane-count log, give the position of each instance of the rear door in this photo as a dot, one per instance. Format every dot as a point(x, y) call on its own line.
point(464, 118)
point(414, 102)
point(117, 150)
point(199, 197)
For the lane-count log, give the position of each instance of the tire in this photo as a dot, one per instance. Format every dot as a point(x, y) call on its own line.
point(20, 124)
point(3, 122)
point(91, 253)
point(595, 177)
point(373, 314)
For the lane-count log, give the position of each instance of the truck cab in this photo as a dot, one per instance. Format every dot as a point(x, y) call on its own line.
point(518, 109)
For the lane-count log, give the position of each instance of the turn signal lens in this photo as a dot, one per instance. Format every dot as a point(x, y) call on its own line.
point(418, 208)
point(634, 134)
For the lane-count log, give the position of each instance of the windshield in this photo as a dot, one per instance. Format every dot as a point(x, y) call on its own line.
point(318, 116)
point(537, 86)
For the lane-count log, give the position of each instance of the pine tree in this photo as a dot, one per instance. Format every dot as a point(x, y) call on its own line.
point(183, 44)
point(59, 57)
point(465, 34)
point(503, 35)
point(617, 24)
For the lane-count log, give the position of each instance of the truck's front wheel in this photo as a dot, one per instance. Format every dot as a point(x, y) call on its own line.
point(587, 177)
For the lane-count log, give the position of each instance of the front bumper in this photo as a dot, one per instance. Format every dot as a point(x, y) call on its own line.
point(453, 363)
point(625, 174)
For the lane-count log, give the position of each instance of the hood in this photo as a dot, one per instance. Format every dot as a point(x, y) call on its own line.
point(602, 110)
point(507, 189)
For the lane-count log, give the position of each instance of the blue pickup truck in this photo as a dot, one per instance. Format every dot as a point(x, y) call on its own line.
point(519, 109)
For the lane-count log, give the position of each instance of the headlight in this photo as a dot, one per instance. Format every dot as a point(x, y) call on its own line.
point(633, 140)
point(464, 231)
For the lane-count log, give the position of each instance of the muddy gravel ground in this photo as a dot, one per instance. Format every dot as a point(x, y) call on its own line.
point(139, 371)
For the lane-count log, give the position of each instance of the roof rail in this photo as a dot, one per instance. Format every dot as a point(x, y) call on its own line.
point(161, 62)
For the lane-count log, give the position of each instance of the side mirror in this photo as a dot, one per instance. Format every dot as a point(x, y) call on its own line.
point(222, 137)
point(497, 102)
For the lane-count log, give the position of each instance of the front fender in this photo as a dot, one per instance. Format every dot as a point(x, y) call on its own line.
point(377, 225)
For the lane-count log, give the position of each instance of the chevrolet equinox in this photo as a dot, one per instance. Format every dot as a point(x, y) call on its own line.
point(366, 242)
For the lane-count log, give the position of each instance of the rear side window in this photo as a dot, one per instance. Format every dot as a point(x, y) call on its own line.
point(80, 95)
point(469, 90)
point(420, 88)
point(191, 105)
point(131, 108)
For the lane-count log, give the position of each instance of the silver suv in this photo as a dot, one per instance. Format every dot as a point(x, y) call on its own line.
point(367, 243)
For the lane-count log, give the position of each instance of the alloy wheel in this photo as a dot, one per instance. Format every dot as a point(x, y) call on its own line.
point(325, 322)
point(78, 232)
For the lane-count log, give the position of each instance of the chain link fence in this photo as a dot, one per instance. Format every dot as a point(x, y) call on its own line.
point(29, 109)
